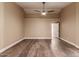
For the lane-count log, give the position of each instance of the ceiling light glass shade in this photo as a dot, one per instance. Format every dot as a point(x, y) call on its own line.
point(43, 13)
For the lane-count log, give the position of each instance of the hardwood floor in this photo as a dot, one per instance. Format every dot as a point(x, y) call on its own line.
point(41, 48)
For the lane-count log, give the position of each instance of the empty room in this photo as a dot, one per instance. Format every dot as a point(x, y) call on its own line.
point(39, 29)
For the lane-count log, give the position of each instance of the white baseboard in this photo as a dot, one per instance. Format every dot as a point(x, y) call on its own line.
point(37, 37)
point(70, 43)
point(9, 46)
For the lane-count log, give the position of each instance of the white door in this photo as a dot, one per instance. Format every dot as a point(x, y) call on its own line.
point(55, 30)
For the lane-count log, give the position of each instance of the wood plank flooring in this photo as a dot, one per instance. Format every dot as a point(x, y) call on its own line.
point(41, 48)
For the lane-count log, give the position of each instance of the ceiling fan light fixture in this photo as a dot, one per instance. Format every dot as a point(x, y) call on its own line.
point(43, 13)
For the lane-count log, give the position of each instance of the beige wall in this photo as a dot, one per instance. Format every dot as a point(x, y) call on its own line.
point(13, 23)
point(69, 26)
point(77, 24)
point(1, 25)
point(38, 27)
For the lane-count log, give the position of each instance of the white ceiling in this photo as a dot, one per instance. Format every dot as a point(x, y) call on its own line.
point(29, 7)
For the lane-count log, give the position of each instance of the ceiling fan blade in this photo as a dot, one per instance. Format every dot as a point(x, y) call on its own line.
point(37, 10)
point(51, 11)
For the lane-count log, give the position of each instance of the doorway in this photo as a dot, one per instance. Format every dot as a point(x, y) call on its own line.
point(55, 30)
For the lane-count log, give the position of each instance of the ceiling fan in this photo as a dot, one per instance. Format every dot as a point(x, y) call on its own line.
point(44, 11)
